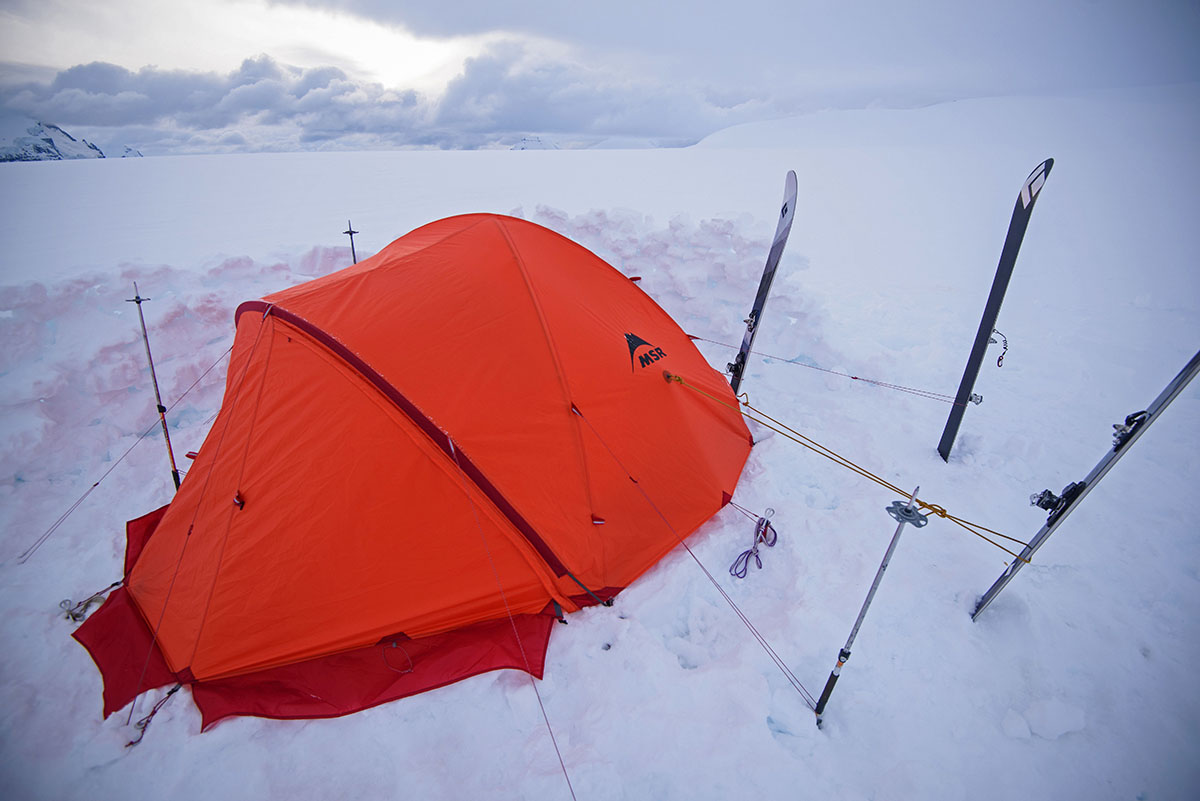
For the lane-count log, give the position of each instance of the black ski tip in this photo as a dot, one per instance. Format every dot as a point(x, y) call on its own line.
point(1034, 183)
point(1045, 168)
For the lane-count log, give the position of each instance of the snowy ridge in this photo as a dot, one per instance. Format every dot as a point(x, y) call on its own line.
point(1077, 683)
point(534, 143)
point(46, 142)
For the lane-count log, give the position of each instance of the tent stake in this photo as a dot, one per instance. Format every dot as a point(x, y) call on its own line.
point(904, 513)
point(162, 410)
point(351, 232)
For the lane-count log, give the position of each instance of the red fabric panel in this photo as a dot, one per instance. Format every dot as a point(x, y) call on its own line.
point(397, 667)
point(122, 646)
point(137, 532)
point(605, 594)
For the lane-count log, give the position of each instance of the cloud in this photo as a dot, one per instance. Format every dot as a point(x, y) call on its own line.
point(295, 101)
point(510, 90)
point(1017, 45)
point(626, 69)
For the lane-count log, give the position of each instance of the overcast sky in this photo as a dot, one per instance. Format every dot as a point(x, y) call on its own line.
point(224, 75)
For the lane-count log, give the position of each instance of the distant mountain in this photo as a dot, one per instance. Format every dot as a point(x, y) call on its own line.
point(534, 143)
point(46, 142)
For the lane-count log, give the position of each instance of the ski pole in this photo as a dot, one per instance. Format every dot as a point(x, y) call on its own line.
point(162, 410)
point(904, 513)
point(350, 232)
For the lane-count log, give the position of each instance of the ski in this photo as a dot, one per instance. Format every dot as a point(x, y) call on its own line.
point(1008, 258)
point(1059, 506)
point(786, 212)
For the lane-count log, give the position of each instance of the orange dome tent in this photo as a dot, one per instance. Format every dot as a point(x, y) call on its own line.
point(419, 462)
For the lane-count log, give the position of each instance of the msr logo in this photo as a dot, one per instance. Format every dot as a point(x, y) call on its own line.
point(646, 357)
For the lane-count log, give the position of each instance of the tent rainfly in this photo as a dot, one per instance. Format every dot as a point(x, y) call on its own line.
point(419, 462)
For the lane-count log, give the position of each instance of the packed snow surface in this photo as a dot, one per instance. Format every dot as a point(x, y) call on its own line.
point(1078, 682)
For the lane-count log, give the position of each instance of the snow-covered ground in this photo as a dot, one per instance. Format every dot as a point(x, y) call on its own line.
point(1078, 682)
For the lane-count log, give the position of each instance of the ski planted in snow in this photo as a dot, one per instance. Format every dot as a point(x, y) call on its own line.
point(1059, 506)
point(1008, 258)
point(786, 213)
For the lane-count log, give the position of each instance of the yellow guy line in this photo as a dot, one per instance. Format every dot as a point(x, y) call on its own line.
point(790, 433)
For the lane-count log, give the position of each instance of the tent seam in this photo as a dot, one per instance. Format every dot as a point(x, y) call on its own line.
point(568, 396)
point(241, 474)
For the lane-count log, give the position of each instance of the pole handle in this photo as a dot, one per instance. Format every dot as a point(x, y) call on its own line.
point(843, 655)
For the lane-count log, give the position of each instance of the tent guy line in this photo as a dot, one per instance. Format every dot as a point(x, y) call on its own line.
point(40, 541)
point(795, 436)
point(758, 635)
point(920, 393)
point(511, 620)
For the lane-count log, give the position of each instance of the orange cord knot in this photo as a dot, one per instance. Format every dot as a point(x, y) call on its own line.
point(934, 509)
